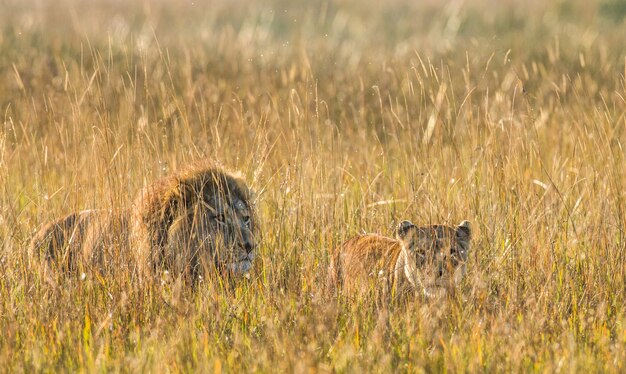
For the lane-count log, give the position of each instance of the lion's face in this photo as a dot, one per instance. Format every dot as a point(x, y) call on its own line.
point(218, 231)
point(439, 252)
point(233, 229)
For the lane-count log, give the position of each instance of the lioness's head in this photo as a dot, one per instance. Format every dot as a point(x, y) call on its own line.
point(198, 220)
point(439, 252)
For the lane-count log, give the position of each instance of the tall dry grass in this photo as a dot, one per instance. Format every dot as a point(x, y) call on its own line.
point(344, 116)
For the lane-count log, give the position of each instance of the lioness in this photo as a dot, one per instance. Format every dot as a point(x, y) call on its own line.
point(420, 259)
point(199, 219)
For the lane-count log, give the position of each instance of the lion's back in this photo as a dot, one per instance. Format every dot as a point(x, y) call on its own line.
point(59, 241)
point(81, 240)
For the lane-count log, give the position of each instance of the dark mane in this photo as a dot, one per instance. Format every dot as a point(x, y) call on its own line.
point(161, 202)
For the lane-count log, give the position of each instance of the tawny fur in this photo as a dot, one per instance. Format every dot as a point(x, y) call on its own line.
point(89, 239)
point(365, 262)
point(419, 259)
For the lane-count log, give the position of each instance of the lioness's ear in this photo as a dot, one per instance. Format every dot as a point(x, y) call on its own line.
point(464, 230)
point(403, 227)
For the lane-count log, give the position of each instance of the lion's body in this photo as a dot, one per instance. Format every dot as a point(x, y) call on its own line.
point(187, 223)
point(419, 259)
point(59, 241)
point(89, 239)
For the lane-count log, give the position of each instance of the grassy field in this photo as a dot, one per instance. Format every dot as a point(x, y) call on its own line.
point(345, 116)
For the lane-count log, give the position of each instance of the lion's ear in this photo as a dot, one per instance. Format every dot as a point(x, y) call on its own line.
point(463, 239)
point(403, 227)
point(464, 230)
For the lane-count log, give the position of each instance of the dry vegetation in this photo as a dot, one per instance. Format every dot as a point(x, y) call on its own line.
point(344, 116)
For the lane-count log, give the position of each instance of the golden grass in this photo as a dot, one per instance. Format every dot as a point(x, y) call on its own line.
point(344, 116)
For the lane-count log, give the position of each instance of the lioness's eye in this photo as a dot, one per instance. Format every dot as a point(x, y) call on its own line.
point(246, 221)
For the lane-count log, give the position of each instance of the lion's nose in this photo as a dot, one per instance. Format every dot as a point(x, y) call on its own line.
point(248, 246)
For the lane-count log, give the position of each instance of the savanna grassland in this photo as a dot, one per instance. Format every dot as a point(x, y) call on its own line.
point(344, 116)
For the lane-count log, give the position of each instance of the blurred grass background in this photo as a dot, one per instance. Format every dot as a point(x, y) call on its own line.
point(345, 116)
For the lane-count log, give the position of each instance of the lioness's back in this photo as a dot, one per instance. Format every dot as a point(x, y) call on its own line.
point(365, 261)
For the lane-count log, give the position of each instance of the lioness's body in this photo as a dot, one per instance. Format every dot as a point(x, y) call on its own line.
point(419, 259)
point(368, 263)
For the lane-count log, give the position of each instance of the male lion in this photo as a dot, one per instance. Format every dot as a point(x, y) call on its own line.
point(421, 259)
point(196, 220)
